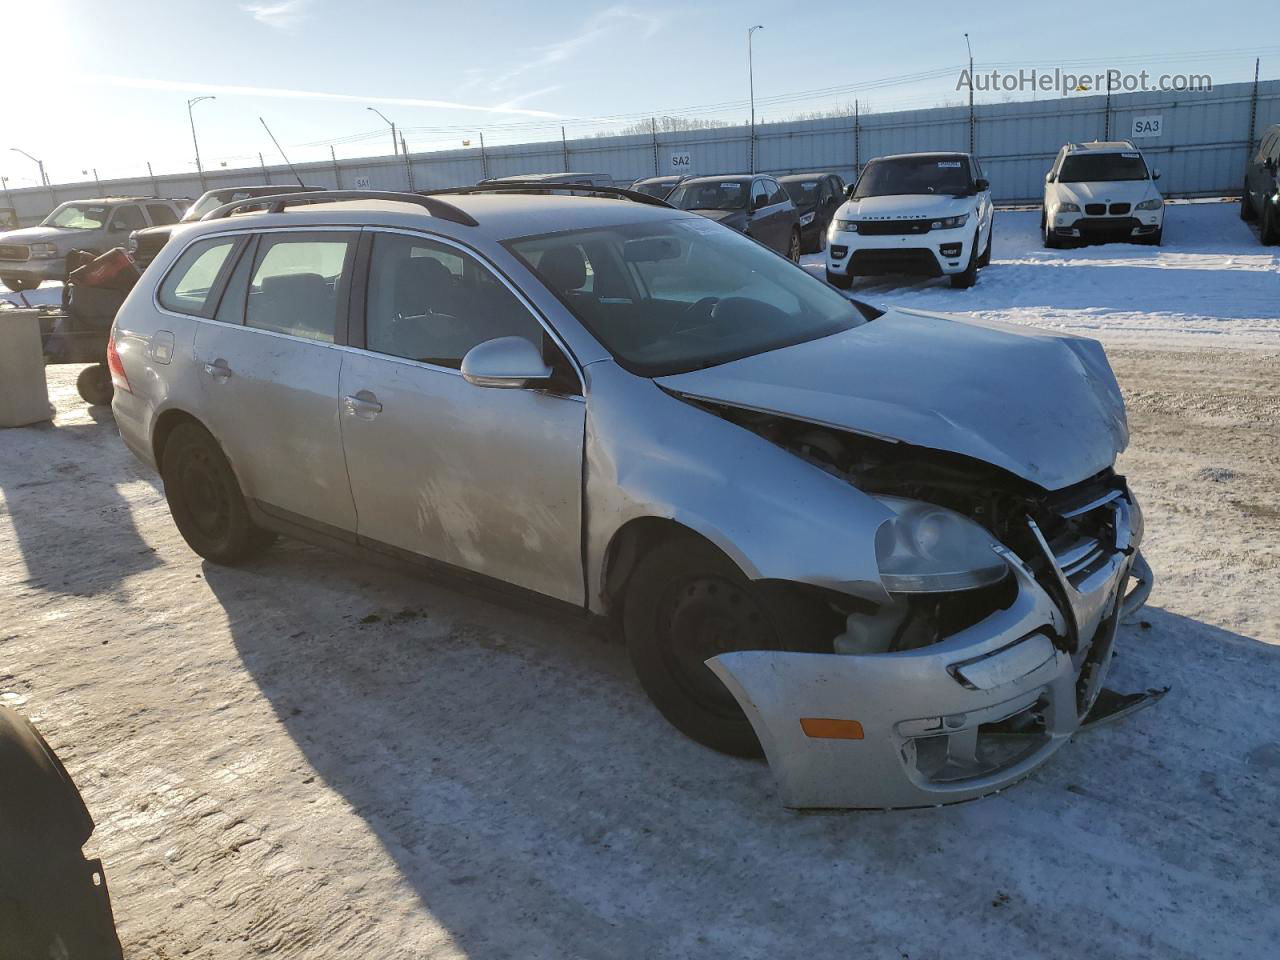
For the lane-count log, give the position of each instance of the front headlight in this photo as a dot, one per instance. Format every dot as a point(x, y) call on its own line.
point(43, 251)
point(131, 246)
point(806, 219)
point(950, 223)
point(928, 549)
point(845, 226)
point(1068, 207)
point(1154, 204)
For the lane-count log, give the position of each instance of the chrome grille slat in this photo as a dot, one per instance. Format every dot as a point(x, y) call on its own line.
point(14, 251)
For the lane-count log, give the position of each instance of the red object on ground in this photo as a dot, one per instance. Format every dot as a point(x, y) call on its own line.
point(113, 269)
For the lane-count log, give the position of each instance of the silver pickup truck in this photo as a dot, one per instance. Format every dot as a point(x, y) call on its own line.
point(31, 255)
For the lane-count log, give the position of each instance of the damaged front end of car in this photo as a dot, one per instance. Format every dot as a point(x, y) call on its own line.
point(988, 650)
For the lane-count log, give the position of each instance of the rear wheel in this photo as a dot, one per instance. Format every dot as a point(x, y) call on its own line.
point(686, 603)
point(841, 281)
point(94, 385)
point(793, 248)
point(17, 285)
point(1246, 208)
point(205, 499)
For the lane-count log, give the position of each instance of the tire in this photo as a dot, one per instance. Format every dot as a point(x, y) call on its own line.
point(985, 259)
point(687, 602)
point(1047, 238)
point(793, 248)
point(1246, 208)
point(841, 281)
point(969, 276)
point(205, 499)
point(1270, 232)
point(1157, 238)
point(19, 285)
point(94, 385)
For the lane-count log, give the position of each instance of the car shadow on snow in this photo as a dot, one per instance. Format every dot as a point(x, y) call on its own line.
point(540, 807)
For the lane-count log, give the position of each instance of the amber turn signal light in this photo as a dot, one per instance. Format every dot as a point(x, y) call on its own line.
point(827, 728)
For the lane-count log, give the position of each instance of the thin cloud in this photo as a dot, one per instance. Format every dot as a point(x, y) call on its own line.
point(526, 97)
point(282, 15)
point(216, 89)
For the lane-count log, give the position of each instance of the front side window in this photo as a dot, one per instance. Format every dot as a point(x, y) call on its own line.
point(682, 294)
point(297, 284)
point(712, 195)
point(432, 303)
point(907, 176)
point(77, 216)
point(161, 214)
point(1102, 168)
point(128, 218)
point(187, 287)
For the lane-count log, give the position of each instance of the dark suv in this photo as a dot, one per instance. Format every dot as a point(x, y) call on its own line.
point(817, 197)
point(756, 206)
point(1261, 200)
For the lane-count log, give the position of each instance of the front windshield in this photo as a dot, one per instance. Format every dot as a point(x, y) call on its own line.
point(676, 295)
point(658, 189)
point(914, 175)
point(1103, 168)
point(710, 195)
point(803, 193)
point(77, 216)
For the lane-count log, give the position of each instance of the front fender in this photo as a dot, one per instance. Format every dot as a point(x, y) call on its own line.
point(649, 454)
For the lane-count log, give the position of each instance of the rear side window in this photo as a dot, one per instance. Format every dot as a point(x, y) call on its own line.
point(299, 284)
point(188, 285)
point(161, 214)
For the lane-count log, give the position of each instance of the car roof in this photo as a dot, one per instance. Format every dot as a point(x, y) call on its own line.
point(722, 177)
point(498, 216)
point(1103, 146)
point(927, 153)
point(565, 177)
point(793, 177)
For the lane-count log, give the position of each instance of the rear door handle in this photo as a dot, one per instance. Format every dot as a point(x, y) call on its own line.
point(363, 405)
point(219, 370)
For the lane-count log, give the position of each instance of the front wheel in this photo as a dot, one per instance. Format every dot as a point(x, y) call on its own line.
point(94, 385)
point(686, 603)
point(1246, 208)
point(985, 259)
point(793, 248)
point(969, 276)
point(18, 285)
point(205, 499)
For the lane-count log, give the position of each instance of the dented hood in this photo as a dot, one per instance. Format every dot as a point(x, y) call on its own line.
point(1040, 405)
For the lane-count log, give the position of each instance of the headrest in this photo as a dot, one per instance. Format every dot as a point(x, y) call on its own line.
point(564, 268)
point(293, 284)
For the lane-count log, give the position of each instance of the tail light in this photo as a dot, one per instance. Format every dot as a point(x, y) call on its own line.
point(118, 377)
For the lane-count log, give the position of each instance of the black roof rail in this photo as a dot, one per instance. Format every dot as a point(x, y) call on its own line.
point(542, 186)
point(277, 203)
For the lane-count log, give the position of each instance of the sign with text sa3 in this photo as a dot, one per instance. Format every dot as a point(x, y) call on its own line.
point(681, 163)
point(1147, 127)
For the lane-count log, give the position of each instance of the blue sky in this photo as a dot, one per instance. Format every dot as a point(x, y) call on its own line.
point(106, 84)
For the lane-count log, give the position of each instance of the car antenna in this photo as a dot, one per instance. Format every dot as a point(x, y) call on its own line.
point(282, 153)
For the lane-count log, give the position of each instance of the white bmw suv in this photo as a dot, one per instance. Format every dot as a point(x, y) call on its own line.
point(1098, 192)
point(928, 214)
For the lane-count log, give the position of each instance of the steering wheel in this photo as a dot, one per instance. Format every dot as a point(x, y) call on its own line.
point(704, 309)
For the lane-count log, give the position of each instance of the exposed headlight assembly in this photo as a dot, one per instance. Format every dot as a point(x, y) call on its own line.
point(846, 226)
point(1154, 204)
point(950, 223)
point(928, 549)
point(1068, 207)
point(806, 219)
point(43, 251)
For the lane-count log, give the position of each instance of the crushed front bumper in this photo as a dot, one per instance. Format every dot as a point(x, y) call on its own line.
point(956, 720)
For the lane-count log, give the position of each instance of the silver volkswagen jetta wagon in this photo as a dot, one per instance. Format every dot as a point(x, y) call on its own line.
point(889, 549)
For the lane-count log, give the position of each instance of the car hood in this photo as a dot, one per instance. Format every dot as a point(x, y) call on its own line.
point(1114, 191)
point(40, 234)
point(730, 218)
point(907, 205)
point(1043, 406)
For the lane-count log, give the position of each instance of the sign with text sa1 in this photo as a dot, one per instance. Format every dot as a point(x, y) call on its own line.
point(1148, 127)
point(681, 163)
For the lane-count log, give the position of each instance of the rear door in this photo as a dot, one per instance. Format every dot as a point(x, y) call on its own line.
point(270, 370)
point(483, 479)
point(782, 215)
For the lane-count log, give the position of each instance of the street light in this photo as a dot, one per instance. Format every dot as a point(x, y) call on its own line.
point(971, 124)
point(39, 163)
point(195, 143)
point(395, 148)
point(751, 83)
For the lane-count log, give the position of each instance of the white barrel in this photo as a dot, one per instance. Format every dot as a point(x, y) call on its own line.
point(24, 395)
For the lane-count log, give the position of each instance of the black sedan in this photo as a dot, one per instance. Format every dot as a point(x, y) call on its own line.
point(756, 206)
point(817, 197)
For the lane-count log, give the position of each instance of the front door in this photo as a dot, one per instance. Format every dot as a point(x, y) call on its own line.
point(270, 374)
point(485, 479)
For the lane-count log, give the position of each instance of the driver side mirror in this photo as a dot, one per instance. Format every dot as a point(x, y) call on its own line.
point(1048, 177)
point(982, 183)
point(510, 363)
point(1270, 164)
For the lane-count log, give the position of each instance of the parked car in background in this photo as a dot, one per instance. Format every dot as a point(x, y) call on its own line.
point(1101, 191)
point(756, 206)
point(659, 187)
point(577, 179)
point(8, 218)
point(817, 196)
point(817, 535)
point(31, 255)
point(928, 214)
point(1261, 199)
point(144, 244)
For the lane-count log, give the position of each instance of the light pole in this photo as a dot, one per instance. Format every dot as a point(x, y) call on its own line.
point(970, 49)
point(395, 146)
point(751, 84)
point(44, 180)
point(195, 143)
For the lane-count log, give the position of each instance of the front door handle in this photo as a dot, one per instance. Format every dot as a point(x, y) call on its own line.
point(219, 370)
point(363, 405)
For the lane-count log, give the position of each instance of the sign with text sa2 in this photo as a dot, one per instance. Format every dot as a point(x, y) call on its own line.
point(1147, 127)
point(681, 163)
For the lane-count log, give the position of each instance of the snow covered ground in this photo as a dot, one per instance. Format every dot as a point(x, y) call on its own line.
point(314, 758)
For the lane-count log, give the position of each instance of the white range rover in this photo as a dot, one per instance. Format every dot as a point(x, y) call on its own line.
point(1101, 191)
point(928, 214)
